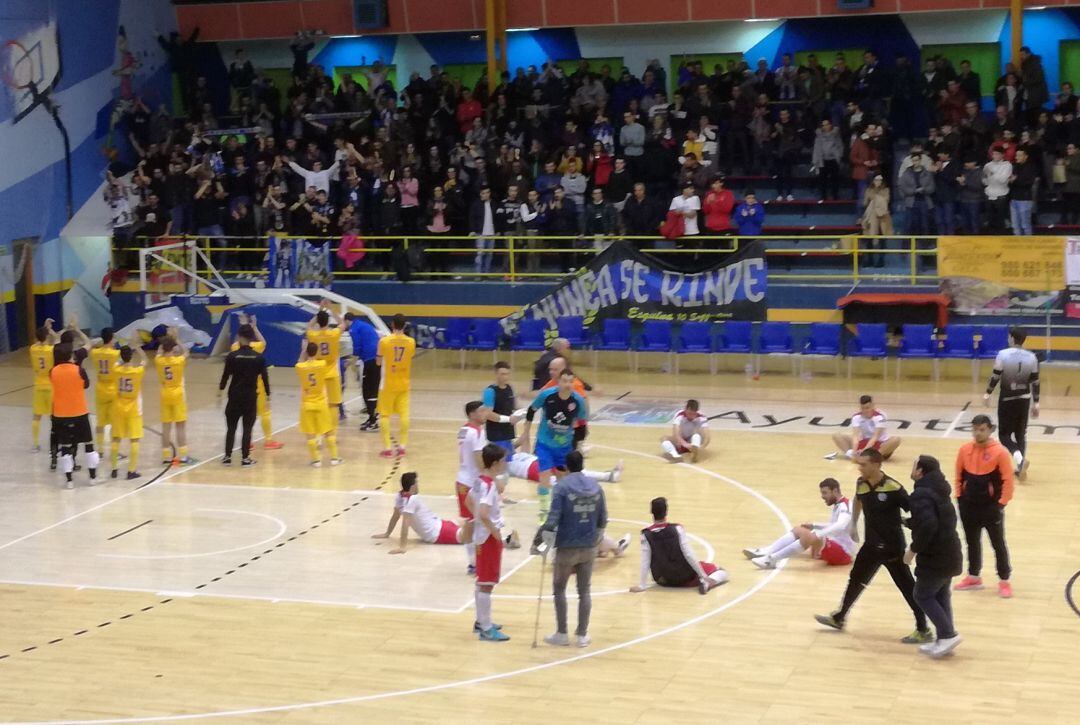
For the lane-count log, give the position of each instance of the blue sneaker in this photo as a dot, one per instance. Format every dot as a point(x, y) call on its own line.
point(494, 635)
point(476, 627)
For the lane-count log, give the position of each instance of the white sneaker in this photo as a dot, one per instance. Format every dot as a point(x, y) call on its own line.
point(622, 545)
point(1018, 460)
point(944, 646)
point(35, 449)
point(831, 456)
point(558, 639)
point(927, 648)
point(673, 458)
point(791, 197)
point(753, 553)
point(780, 197)
point(763, 562)
point(583, 640)
point(616, 472)
point(335, 461)
point(69, 485)
point(316, 464)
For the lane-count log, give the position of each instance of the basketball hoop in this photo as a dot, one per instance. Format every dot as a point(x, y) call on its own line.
point(19, 71)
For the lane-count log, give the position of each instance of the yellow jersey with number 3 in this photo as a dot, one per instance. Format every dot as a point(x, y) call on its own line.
point(312, 374)
point(41, 360)
point(104, 361)
point(329, 341)
point(396, 350)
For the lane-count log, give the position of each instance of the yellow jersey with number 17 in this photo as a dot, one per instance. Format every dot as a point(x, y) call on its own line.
point(170, 372)
point(312, 374)
point(41, 359)
point(329, 341)
point(396, 350)
point(104, 361)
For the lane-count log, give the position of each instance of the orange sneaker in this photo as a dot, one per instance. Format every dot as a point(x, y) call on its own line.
point(969, 583)
point(400, 452)
point(273, 445)
point(386, 454)
point(1005, 590)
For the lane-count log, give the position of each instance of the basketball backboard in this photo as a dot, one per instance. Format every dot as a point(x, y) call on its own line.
point(31, 61)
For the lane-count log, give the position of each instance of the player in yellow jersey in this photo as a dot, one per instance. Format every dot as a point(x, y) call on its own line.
point(104, 358)
point(328, 340)
point(41, 361)
point(171, 363)
point(127, 410)
point(395, 356)
point(315, 414)
point(249, 324)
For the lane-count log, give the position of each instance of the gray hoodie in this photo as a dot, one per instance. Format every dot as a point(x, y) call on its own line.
point(827, 147)
point(578, 512)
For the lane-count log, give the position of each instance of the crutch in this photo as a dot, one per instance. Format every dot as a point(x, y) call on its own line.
point(541, 549)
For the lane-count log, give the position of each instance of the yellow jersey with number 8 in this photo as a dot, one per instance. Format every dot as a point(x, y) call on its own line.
point(329, 341)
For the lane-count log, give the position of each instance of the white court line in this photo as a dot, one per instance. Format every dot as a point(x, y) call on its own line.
point(956, 421)
point(498, 675)
point(158, 591)
point(281, 530)
point(144, 487)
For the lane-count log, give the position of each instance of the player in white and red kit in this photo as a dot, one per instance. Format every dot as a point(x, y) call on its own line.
point(487, 503)
point(689, 433)
point(471, 441)
point(526, 466)
point(831, 542)
point(666, 555)
point(867, 431)
point(418, 517)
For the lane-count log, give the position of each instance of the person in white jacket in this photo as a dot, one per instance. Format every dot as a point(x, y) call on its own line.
point(996, 175)
point(831, 542)
point(317, 177)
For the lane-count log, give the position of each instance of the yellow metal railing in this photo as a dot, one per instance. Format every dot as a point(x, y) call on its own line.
point(851, 252)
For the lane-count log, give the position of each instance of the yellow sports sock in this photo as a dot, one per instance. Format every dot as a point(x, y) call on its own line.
point(35, 430)
point(133, 461)
point(100, 439)
point(403, 431)
point(313, 447)
point(114, 454)
point(385, 430)
point(166, 454)
point(331, 443)
point(268, 429)
point(183, 452)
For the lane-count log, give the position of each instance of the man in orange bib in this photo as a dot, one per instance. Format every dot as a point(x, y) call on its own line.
point(70, 415)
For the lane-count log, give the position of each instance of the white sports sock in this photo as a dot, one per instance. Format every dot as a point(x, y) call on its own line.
point(669, 448)
point(598, 475)
point(792, 549)
point(470, 552)
point(93, 458)
point(695, 440)
point(483, 610)
point(780, 543)
point(719, 576)
point(553, 480)
point(67, 463)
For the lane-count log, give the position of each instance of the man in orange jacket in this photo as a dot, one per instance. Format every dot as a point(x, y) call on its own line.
point(70, 416)
point(983, 487)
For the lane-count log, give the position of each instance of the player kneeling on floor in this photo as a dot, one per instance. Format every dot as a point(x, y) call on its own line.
point(689, 433)
point(667, 556)
point(831, 542)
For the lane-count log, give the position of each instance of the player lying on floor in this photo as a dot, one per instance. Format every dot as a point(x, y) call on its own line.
point(667, 556)
point(831, 542)
point(526, 466)
point(431, 529)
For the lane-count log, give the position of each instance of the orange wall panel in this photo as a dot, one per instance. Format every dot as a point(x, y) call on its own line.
point(270, 19)
point(215, 22)
point(720, 10)
point(652, 11)
point(520, 13)
point(333, 16)
point(924, 5)
point(435, 15)
point(562, 13)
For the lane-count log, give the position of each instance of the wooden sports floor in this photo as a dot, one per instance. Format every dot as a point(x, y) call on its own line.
point(258, 595)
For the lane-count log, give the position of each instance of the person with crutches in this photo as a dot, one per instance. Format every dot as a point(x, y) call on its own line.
point(575, 527)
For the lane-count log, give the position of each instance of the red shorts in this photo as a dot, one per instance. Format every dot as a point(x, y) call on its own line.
point(489, 561)
point(448, 533)
point(705, 567)
point(833, 554)
point(534, 471)
point(463, 510)
point(864, 441)
point(681, 449)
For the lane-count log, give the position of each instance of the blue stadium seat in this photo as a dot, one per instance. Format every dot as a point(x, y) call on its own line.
point(994, 339)
point(455, 336)
point(871, 340)
point(823, 341)
point(736, 337)
point(486, 332)
point(656, 336)
point(695, 338)
point(614, 336)
point(918, 342)
point(960, 345)
point(775, 339)
point(529, 336)
point(573, 329)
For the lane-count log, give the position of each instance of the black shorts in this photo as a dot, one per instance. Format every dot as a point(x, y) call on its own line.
point(73, 431)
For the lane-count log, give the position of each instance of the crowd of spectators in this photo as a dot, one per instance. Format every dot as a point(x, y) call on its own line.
point(594, 154)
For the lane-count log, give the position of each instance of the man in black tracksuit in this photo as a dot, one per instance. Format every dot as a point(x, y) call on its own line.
point(881, 498)
point(244, 366)
point(935, 546)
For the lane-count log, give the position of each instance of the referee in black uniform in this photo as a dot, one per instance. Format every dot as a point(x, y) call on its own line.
point(1017, 370)
point(244, 366)
point(881, 498)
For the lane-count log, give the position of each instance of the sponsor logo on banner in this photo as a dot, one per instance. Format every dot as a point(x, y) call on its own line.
point(1072, 277)
point(622, 282)
point(985, 274)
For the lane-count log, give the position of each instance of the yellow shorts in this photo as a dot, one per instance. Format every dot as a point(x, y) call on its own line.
point(126, 426)
point(262, 404)
point(105, 407)
point(42, 400)
point(393, 402)
point(315, 422)
point(174, 410)
point(333, 390)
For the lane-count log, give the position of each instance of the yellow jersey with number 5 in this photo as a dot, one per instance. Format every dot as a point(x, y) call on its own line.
point(396, 350)
point(312, 374)
point(170, 373)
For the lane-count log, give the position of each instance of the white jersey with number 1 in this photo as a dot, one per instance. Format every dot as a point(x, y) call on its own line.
point(471, 439)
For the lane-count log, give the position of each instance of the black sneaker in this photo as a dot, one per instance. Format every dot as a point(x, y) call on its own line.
point(132, 475)
point(247, 462)
point(226, 461)
point(114, 473)
point(52, 463)
point(366, 425)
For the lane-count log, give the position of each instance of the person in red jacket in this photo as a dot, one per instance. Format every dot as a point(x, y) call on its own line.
point(600, 165)
point(467, 110)
point(717, 207)
point(983, 487)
